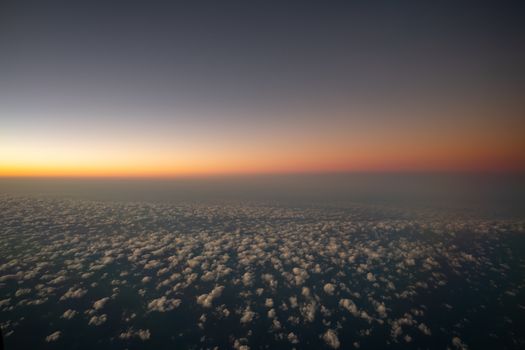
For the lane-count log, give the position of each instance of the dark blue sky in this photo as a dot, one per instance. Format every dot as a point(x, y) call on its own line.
point(258, 50)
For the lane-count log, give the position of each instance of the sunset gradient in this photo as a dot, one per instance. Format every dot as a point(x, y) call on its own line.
point(277, 149)
point(264, 89)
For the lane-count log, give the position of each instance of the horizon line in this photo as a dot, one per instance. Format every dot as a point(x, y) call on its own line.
point(509, 172)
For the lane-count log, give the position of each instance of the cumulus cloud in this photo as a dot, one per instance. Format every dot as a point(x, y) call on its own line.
point(206, 300)
point(381, 310)
point(22, 291)
point(309, 310)
point(305, 292)
point(241, 344)
point(268, 302)
point(331, 339)
point(99, 304)
point(98, 320)
point(15, 277)
point(267, 265)
point(424, 329)
point(370, 276)
point(151, 264)
point(349, 306)
point(163, 304)
point(73, 293)
point(247, 316)
point(329, 288)
point(293, 302)
point(69, 314)
point(53, 336)
point(300, 275)
point(292, 338)
point(58, 280)
point(247, 279)
point(270, 280)
point(458, 343)
point(142, 334)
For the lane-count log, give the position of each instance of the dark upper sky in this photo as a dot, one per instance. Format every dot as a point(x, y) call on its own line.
point(216, 70)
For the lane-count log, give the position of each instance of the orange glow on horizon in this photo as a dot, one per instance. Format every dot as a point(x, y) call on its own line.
point(319, 148)
point(255, 167)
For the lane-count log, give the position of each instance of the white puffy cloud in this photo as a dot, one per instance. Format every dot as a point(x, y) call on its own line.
point(247, 316)
point(69, 314)
point(424, 329)
point(247, 279)
point(151, 264)
point(269, 264)
point(381, 310)
point(329, 288)
point(305, 292)
point(98, 320)
point(53, 336)
point(293, 302)
point(309, 310)
point(142, 334)
point(163, 304)
point(22, 291)
point(349, 306)
point(458, 343)
point(268, 302)
point(241, 344)
point(270, 280)
point(292, 338)
point(73, 293)
point(331, 339)
point(99, 304)
point(206, 300)
point(300, 275)
point(58, 280)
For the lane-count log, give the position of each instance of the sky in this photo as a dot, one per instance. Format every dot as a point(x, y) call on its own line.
point(167, 89)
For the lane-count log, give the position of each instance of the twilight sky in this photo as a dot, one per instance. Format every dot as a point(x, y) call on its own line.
point(129, 88)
